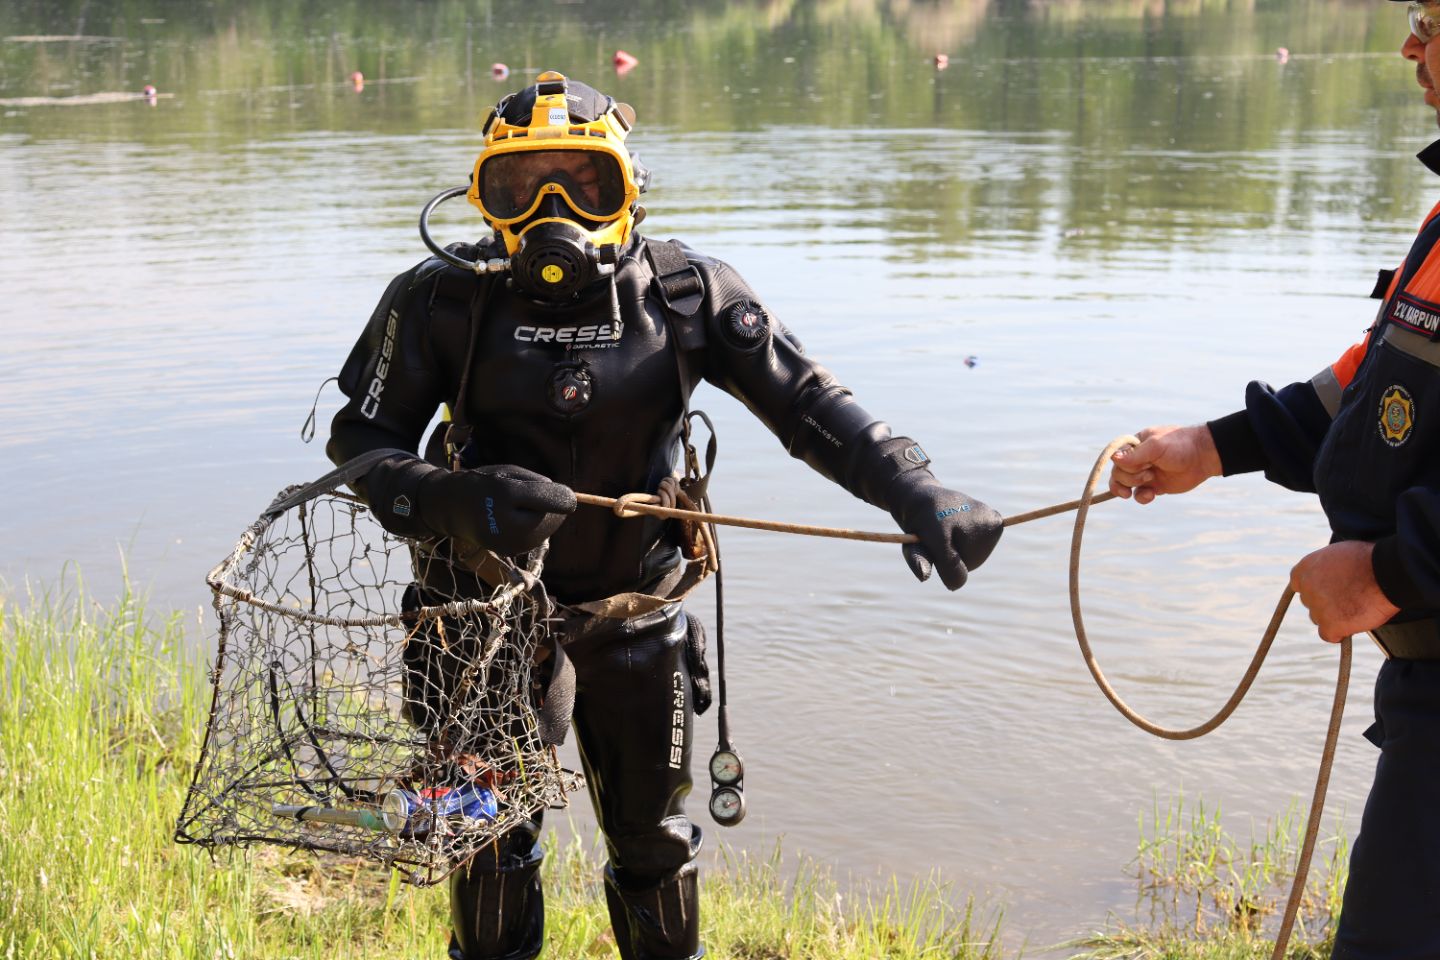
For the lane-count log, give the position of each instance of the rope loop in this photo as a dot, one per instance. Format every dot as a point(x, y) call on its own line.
point(624, 503)
point(668, 493)
point(1337, 708)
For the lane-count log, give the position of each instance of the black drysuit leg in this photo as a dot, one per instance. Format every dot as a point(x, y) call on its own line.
point(634, 721)
point(634, 724)
point(497, 907)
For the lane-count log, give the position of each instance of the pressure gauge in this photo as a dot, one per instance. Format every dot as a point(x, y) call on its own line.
point(725, 768)
point(727, 806)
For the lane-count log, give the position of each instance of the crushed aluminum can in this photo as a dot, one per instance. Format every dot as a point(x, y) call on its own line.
point(471, 801)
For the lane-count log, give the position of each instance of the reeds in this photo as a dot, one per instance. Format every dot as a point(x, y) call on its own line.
point(1209, 896)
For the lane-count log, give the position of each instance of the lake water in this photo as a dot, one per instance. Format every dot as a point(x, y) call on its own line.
point(1123, 212)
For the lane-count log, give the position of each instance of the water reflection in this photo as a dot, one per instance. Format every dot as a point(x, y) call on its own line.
point(1123, 210)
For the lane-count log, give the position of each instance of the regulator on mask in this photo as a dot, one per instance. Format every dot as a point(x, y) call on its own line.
point(557, 184)
point(556, 259)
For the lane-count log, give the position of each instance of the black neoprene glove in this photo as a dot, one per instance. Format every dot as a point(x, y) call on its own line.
point(505, 509)
point(956, 533)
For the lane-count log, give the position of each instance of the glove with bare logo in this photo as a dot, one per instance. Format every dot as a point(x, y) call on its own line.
point(956, 533)
point(506, 509)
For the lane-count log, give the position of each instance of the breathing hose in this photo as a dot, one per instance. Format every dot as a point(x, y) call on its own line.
point(636, 504)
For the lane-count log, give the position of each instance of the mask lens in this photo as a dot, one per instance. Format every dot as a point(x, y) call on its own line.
point(591, 181)
point(1425, 21)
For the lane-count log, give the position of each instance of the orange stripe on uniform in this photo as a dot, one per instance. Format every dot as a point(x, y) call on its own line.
point(1425, 285)
point(1344, 368)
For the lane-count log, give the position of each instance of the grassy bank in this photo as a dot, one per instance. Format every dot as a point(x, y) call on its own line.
point(101, 713)
point(1212, 896)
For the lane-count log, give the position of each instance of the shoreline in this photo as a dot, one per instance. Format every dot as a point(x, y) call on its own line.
point(100, 721)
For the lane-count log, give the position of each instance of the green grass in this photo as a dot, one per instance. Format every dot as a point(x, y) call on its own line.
point(101, 714)
point(1213, 897)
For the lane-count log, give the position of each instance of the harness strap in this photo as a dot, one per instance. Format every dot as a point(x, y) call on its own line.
point(696, 484)
point(675, 587)
point(459, 432)
point(681, 291)
point(348, 472)
point(557, 704)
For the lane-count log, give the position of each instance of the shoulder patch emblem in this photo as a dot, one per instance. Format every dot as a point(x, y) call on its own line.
point(746, 324)
point(1397, 415)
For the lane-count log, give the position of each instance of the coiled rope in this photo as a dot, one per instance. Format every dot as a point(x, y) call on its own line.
point(1337, 708)
point(636, 504)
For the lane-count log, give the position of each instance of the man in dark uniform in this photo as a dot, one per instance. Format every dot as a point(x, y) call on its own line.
point(572, 370)
point(1364, 434)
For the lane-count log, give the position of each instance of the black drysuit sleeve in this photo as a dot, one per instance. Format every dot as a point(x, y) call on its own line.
point(757, 360)
point(392, 384)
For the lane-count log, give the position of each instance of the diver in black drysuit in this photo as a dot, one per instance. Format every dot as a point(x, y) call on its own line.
point(560, 401)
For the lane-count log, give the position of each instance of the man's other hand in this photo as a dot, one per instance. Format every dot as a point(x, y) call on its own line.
point(1168, 460)
point(1337, 585)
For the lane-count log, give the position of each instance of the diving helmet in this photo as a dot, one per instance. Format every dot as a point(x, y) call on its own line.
point(557, 183)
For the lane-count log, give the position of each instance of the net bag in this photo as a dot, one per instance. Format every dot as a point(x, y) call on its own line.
point(373, 696)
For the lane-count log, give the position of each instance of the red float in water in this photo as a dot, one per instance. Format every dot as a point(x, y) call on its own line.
point(357, 79)
point(624, 62)
point(1282, 54)
point(498, 71)
point(941, 61)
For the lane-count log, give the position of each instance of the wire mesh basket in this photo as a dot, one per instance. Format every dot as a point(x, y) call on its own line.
point(374, 696)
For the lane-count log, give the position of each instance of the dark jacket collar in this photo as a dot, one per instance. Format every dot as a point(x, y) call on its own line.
point(1430, 156)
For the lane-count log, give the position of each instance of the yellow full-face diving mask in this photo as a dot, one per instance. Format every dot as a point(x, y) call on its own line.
point(557, 183)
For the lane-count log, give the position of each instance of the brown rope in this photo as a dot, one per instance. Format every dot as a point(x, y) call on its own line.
point(635, 504)
point(1337, 709)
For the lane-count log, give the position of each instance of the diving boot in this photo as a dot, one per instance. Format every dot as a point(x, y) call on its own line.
point(497, 905)
point(656, 921)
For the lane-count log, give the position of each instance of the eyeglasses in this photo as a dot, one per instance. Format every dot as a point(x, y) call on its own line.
point(1425, 20)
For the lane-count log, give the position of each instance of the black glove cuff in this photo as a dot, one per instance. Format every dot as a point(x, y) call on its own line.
point(393, 488)
point(893, 459)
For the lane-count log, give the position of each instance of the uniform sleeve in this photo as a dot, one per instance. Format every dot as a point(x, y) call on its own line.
point(1407, 563)
point(1280, 431)
point(756, 359)
point(391, 381)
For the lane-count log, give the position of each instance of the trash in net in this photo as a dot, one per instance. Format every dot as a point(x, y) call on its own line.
point(375, 696)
